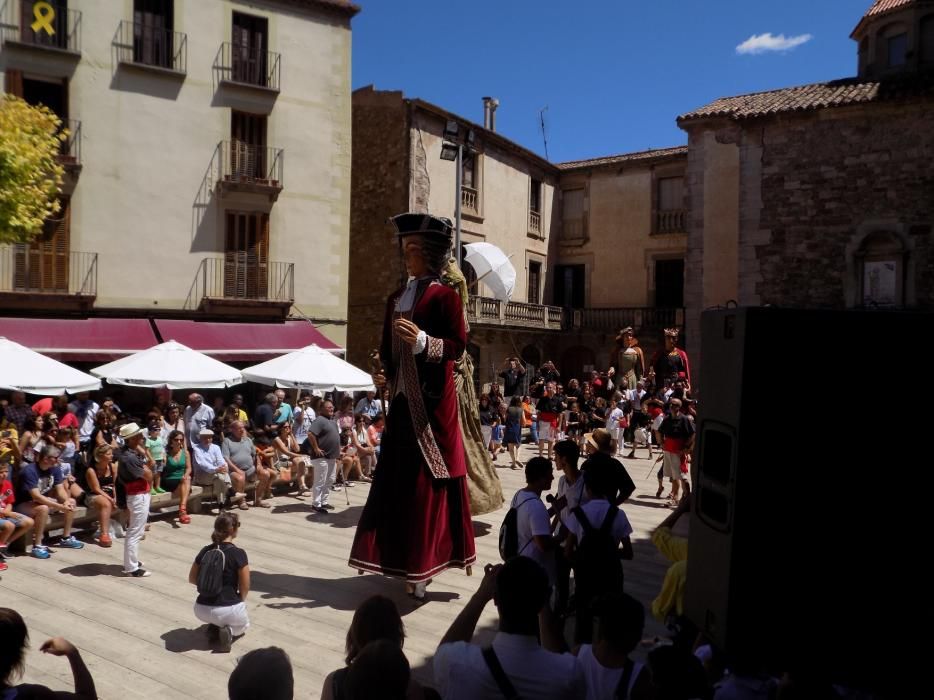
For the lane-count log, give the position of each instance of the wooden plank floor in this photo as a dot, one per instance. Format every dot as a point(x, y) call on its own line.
point(141, 639)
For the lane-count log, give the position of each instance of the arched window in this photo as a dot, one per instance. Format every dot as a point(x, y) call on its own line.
point(881, 270)
point(926, 39)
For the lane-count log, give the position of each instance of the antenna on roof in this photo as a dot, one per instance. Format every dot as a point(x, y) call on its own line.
point(541, 115)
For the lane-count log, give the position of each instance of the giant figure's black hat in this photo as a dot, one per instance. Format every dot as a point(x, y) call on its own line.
point(422, 224)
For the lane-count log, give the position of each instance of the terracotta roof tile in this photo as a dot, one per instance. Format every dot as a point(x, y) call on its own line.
point(803, 98)
point(625, 158)
point(880, 7)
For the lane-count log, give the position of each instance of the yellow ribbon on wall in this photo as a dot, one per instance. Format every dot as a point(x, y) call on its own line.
point(45, 15)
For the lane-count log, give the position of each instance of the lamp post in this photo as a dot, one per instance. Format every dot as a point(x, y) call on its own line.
point(452, 148)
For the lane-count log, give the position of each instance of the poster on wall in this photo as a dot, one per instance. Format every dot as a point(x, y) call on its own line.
point(879, 283)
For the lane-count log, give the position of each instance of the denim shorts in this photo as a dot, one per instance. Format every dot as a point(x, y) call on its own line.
point(15, 518)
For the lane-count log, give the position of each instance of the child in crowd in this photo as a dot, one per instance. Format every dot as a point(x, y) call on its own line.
point(534, 528)
point(156, 448)
point(496, 437)
point(12, 525)
point(614, 418)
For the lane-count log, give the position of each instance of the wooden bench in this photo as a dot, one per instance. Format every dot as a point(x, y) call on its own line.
point(85, 517)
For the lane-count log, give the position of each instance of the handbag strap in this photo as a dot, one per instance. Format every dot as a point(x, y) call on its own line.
point(622, 690)
point(499, 675)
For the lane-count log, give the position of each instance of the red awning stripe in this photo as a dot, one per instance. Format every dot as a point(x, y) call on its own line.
point(244, 341)
point(76, 339)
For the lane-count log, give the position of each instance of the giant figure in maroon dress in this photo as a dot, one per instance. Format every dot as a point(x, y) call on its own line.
point(416, 522)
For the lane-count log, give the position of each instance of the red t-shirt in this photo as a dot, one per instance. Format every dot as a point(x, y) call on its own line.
point(69, 420)
point(7, 498)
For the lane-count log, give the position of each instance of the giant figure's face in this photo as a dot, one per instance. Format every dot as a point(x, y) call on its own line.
point(414, 256)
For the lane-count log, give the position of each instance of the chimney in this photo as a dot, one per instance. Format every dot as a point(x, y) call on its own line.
point(489, 113)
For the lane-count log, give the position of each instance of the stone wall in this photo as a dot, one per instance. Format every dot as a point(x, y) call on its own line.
point(826, 178)
point(379, 189)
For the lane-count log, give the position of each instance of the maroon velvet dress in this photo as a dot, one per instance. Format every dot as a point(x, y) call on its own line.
point(416, 522)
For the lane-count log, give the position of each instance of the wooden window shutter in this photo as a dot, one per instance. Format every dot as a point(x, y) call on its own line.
point(14, 82)
point(43, 264)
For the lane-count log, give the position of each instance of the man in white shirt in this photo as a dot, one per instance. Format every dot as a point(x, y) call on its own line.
point(85, 411)
point(198, 416)
point(302, 418)
point(465, 671)
point(534, 526)
point(210, 469)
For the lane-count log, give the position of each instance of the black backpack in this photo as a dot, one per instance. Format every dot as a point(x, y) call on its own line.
point(509, 532)
point(596, 561)
point(211, 572)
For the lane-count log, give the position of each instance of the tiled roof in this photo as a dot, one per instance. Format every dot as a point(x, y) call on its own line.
point(881, 7)
point(837, 93)
point(624, 158)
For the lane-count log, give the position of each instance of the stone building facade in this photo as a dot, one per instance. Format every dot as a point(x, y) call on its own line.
point(208, 159)
point(508, 197)
point(820, 196)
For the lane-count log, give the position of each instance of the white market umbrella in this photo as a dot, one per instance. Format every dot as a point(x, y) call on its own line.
point(493, 268)
point(22, 369)
point(170, 365)
point(310, 368)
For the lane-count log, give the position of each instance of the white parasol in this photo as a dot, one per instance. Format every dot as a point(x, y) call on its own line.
point(22, 369)
point(310, 368)
point(170, 365)
point(493, 268)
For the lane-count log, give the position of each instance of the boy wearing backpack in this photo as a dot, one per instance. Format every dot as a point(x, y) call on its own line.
point(221, 571)
point(597, 529)
point(526, 530)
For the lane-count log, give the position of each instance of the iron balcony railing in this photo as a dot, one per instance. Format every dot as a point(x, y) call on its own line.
point(486, 311)
point(535, 222)
point(26, 269)
point(40, 23)
point(638, 317)
point(239, 276)
point(146, 45)
point(70, 152)
point(469, 198)
point(670, 221)
point(247, 65)
point(247, 163)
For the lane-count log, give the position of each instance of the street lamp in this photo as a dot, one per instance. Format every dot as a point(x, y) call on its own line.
point(452, 148)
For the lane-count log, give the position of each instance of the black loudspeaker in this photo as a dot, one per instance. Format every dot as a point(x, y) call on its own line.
point(811, 476)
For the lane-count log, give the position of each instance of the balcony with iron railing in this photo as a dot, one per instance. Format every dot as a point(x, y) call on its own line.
point(249, 67)
point(668, 221)
point(152, 48)
point(469, 199)
point(484, 311)
point(30, 276)
point(46, 26)
point(239, 281)
point(535, 223)
point(244, 167)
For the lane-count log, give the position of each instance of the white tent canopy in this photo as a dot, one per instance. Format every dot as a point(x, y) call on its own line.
point(310, 368)
point(170, 365)
point(22, 369)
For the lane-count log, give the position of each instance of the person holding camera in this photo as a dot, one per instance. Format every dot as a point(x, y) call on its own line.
point(512, 373)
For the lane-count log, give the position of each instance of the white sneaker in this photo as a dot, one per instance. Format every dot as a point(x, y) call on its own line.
point(420, 590)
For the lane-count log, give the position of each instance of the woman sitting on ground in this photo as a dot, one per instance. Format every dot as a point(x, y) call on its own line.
point(14, 639)
point(224, 584)
point(376, 619)
point(176, 476)
point(100, 480)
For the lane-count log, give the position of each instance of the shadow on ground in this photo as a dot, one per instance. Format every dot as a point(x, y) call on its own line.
point(183, 639)
point(285, 591)
point(93, 569)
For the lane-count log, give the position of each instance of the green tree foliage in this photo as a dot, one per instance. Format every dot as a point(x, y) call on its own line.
point(30, 175)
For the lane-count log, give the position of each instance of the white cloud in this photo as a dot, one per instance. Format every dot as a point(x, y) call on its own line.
point(760, 43)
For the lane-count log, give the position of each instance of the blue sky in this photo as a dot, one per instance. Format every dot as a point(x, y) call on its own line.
point(614, 74)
